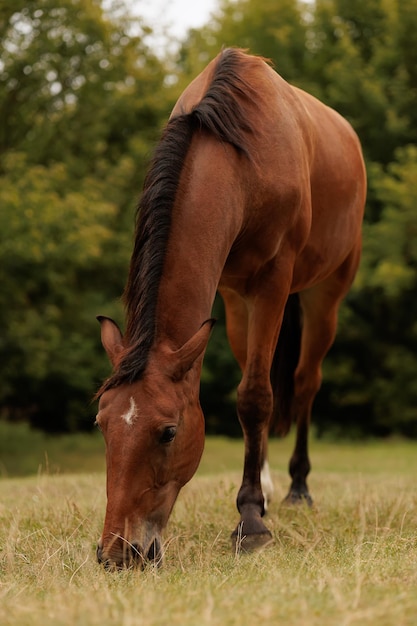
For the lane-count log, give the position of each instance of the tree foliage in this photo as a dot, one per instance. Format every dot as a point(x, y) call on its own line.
point(83, 96)
point(79, 112)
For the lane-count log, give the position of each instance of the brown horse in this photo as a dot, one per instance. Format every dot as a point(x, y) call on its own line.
point(255, 189)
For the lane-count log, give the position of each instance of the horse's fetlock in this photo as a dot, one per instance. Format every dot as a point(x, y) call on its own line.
point(250, 499)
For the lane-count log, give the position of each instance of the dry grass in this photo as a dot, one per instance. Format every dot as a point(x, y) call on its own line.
point(352, 560)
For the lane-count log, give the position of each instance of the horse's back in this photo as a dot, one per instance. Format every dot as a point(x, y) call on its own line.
point(337, 179)
point(305, 181)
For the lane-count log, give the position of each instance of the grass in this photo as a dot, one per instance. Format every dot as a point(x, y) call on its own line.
point(351, 560)
point(24, 451)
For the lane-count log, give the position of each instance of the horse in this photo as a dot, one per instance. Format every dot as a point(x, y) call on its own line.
point(256, 190)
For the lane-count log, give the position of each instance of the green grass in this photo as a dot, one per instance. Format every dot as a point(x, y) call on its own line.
point(24, 451)
point(351, 560)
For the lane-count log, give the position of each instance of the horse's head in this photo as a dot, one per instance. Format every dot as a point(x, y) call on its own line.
point(154, 434)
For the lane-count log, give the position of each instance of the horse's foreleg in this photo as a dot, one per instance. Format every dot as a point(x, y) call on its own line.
point(254, 410)
point(254, 406)
point(237, 320)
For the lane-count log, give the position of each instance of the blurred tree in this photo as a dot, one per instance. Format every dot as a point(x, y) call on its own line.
point(370, 377)
point(81, 103)
point(274, 30)
point(75, 83)
point(361, 61)
point(82, 100)
point(368, 74)
point(388, 281)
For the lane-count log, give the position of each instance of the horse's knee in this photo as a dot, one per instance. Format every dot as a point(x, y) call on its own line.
point(254, 404)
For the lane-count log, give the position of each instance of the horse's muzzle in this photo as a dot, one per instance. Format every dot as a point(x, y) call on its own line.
point(132, 556)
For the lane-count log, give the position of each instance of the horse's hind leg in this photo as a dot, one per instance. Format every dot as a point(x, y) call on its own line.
point(320, 307)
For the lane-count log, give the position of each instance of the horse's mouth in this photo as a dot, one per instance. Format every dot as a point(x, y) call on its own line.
point(127, 555)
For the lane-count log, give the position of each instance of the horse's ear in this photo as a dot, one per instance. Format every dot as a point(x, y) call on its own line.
point(111, 338)
point(187, 355)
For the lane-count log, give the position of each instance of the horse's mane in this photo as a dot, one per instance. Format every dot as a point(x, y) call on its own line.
point(222, 112)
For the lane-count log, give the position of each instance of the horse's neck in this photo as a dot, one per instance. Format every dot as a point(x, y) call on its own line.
point(206, 218)
point(197, 250)
point(187, 289)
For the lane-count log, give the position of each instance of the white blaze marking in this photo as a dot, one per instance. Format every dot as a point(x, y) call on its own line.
point(131, 413)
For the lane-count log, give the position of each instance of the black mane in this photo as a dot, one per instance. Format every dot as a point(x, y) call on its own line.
point(221, 113)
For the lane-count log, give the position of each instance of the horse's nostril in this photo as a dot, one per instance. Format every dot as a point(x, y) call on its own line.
point(101, 559)
point(99, 553)
point(135, 552)
point(154, 552)
point(135, 556)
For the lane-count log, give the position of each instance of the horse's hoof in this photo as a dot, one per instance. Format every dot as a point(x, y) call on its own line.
point(296, 498)
point(251, 543)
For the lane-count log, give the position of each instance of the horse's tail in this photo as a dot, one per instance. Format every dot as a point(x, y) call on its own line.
point(284, 363)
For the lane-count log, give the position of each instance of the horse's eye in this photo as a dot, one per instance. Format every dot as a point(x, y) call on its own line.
point(168, 434)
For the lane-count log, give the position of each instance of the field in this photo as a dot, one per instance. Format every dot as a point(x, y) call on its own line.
point(351, 560)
